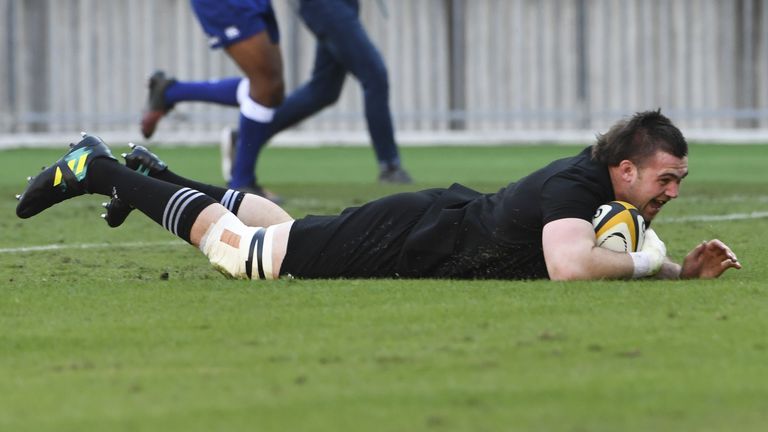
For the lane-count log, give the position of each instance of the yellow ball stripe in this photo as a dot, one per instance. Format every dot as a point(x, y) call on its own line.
point(622, 217)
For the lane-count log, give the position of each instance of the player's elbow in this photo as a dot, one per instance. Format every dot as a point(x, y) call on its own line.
point(568, 245)
point(567, 275)
point(567, 271)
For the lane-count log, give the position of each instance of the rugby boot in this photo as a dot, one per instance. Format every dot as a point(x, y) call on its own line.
point(156, 108)
point(116, 212)
point(143, 161)
point(64, 179)
point(227, 147)
point(394, 175)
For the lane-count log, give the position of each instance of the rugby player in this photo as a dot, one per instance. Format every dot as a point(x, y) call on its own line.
point(537, 227)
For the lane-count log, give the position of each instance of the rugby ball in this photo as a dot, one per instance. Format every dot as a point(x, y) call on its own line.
point(619, 226)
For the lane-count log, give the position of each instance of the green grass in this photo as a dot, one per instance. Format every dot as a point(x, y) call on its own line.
point(129, 338)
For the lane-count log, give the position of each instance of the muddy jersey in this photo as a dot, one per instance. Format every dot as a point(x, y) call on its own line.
point(451, 233)
point(471, 235)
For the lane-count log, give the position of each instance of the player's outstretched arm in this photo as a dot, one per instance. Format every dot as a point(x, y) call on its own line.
point(669, 270)
point(571, 253)
point(709, 260)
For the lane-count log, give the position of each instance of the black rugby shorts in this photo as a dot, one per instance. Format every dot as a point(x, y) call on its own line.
point(361, 242)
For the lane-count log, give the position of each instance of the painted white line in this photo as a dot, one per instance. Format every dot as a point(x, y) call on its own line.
point(716, 218)
point(728, 199)
point(51, 247)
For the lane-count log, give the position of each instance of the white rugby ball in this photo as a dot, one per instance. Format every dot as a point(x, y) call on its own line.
point(619, 226)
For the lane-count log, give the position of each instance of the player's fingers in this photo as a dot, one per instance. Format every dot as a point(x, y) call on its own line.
point(698, 250)
point(719, 246)
point(716, 244)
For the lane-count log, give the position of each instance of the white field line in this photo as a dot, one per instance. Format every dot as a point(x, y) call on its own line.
point(58, 246)
point(66, 246)
point(728, 199)
point(716, 218)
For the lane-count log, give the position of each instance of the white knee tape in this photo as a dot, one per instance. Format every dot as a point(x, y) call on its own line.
point(238, 251)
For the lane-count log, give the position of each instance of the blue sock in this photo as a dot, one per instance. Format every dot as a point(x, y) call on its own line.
point(223, 91)
point(254, 132)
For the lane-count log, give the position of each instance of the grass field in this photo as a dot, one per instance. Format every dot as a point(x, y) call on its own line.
point(144, 335)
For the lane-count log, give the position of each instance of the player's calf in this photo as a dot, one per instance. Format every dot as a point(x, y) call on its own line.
point(143, 161)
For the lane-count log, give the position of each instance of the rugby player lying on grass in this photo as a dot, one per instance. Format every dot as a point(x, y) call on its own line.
point(538, 227)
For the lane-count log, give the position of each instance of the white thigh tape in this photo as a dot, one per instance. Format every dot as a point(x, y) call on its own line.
point(259, 262)
point(266, 255)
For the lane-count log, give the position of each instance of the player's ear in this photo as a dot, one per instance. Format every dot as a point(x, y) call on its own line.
point(628, 170)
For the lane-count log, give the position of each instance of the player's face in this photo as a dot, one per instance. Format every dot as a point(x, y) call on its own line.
point(656, 182)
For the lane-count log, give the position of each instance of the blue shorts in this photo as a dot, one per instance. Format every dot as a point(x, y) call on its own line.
point(229, 21)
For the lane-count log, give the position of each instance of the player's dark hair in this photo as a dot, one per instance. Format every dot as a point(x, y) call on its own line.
point(639, 138)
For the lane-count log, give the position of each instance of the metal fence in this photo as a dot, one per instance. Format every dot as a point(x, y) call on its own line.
point(476, 66)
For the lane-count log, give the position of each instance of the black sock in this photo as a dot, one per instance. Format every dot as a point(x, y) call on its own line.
point(229, 198)
point(174, 207)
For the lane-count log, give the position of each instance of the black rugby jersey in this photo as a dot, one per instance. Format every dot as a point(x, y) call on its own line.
point(466, 234)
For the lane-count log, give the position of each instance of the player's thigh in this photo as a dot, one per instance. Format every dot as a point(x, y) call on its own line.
point(227, 22)
point(340, 32)
point(328, 74)
point(261, 61)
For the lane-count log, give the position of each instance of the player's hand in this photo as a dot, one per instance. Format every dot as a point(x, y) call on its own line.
point(655, 248)
point(709, 260)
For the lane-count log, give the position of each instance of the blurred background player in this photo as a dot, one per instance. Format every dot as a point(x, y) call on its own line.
point(342, 46)
point(247, 30)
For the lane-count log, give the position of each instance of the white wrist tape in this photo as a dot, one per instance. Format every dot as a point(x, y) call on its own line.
point(650, 257)
point(645, 264)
